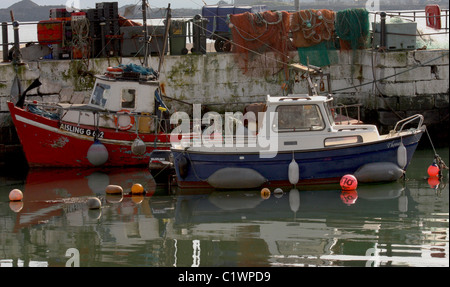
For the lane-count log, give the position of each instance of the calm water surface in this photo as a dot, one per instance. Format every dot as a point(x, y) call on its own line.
point(405, 223)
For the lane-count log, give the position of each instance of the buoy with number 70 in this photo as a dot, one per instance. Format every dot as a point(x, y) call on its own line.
point(348, 182)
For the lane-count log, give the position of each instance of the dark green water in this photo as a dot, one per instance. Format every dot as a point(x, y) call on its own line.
point(405, 223)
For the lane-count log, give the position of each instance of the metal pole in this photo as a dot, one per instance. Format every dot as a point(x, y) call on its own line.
point(102, 29)
point(166, 34)
point(5, 46)
point(383, 31)
point(144, 22)
point(16, 53)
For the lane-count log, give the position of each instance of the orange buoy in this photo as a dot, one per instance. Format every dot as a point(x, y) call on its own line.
point(137, 188)
point(433, 169)
point(15, 195)
point(348, 182)
point(265, 193)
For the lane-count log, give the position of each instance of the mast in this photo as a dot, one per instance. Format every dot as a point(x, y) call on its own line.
point(166, 34)
point(144, 22)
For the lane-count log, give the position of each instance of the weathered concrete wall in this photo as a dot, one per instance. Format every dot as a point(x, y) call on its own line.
point(410, 82)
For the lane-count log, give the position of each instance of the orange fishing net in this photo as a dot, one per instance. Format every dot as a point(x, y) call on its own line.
point(260, 33)
point(310, 27)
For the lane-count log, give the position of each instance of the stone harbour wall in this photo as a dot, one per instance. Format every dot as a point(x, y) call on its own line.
point(389, 85)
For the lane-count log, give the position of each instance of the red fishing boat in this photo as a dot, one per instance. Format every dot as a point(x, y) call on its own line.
point(123, 122)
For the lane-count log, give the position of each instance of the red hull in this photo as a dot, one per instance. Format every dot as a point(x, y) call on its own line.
point(45, 144)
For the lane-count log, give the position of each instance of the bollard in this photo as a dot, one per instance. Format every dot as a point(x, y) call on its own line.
point(5, 46)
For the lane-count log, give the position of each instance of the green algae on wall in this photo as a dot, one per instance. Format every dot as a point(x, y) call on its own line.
point(80, 78)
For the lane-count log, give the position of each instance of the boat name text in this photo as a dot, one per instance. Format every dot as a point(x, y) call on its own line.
point(81, 131)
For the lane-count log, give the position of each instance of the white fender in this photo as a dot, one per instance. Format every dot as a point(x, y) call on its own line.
point(293, 172)
point(401, 156)
point(97, 153)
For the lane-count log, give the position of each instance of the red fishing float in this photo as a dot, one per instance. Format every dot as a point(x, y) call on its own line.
point(348, 182)
point(433, 169)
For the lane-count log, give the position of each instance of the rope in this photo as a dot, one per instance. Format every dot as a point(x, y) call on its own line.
point(80, 38)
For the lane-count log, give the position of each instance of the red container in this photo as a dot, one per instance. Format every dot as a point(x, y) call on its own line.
point(50, 32)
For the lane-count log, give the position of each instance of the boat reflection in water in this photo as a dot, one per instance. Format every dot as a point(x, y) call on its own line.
point(59, 192)
point(320, 226)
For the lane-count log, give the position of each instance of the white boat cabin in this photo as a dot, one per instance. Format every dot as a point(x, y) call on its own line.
point(116, 104)
point(307, 122)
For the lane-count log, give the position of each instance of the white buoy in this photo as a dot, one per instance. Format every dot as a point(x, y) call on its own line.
point(278, 192)
point(97, 153)
point(401, 156)
point(138, 147)
point(94, 203)
point(294, 173)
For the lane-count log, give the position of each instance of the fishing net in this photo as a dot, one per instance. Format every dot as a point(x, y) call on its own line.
point(259, 33)
point(352, 27)
point(320, 55)
point(310, 27)
point(313, 34)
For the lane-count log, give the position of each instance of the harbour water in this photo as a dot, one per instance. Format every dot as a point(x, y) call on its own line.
point(405, 223)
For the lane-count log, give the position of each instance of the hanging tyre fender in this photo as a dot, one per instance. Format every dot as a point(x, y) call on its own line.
point(182, 165)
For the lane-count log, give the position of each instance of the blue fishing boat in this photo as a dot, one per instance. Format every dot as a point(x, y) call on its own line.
point(296, 140)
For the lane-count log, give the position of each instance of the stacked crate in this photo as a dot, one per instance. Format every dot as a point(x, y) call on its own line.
point(95, 32)
point(110, 12)
point(62, 50)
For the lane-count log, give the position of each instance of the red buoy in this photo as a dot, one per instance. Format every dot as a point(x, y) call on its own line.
point(433, 170)
point(348, 182)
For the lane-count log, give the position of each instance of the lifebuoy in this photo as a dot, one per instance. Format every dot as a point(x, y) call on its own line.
point(124, 127)
point(433, 16)
point(114, 71)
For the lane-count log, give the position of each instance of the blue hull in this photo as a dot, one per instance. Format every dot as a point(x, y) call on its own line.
point(326, 165)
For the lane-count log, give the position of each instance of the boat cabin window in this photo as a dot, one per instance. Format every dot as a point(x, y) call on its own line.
point(342, 140)
point(128, 98)
point(299, 118)
point(100, 94)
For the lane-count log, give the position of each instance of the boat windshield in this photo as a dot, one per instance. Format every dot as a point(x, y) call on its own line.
point(100, 95)
point(299, 118)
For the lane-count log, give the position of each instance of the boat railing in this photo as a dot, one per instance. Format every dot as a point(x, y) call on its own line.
point(407, 121)
point(340, 118)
